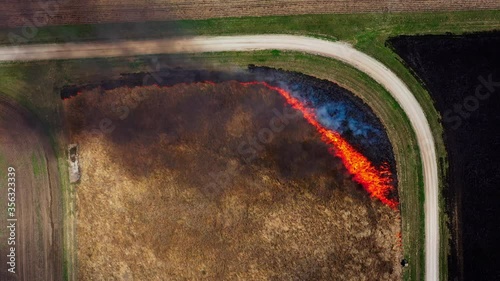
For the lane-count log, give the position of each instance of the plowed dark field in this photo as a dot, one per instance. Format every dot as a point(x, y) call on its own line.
point(462, 74)
point(25, 147)
point(14, 13)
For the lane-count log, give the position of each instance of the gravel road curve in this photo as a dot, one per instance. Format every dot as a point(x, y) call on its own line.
point(337, 50)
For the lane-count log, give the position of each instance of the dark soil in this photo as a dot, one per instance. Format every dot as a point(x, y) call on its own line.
point(456, 71)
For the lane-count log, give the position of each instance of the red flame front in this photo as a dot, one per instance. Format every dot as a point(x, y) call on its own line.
point(376, 181)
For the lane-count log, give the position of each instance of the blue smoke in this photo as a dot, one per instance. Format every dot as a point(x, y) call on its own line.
point(338, 114)
point(343, 119)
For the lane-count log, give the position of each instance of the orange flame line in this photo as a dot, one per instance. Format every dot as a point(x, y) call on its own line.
point(376, 181)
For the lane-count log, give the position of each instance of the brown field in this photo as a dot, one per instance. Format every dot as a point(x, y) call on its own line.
point(80, 12)
point(165, 194)
point(24, 146)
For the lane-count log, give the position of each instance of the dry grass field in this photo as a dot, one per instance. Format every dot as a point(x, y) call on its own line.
point(165, 194)
point(24, 146)
point(106, 11)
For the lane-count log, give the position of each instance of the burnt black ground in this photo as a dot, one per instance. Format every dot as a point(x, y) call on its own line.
point(378, 149)
point(452, 68)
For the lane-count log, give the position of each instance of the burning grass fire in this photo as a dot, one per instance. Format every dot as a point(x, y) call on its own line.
point(376, 181)
point(177, 191)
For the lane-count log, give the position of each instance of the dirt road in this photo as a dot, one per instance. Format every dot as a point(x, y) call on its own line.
point(337, 50)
